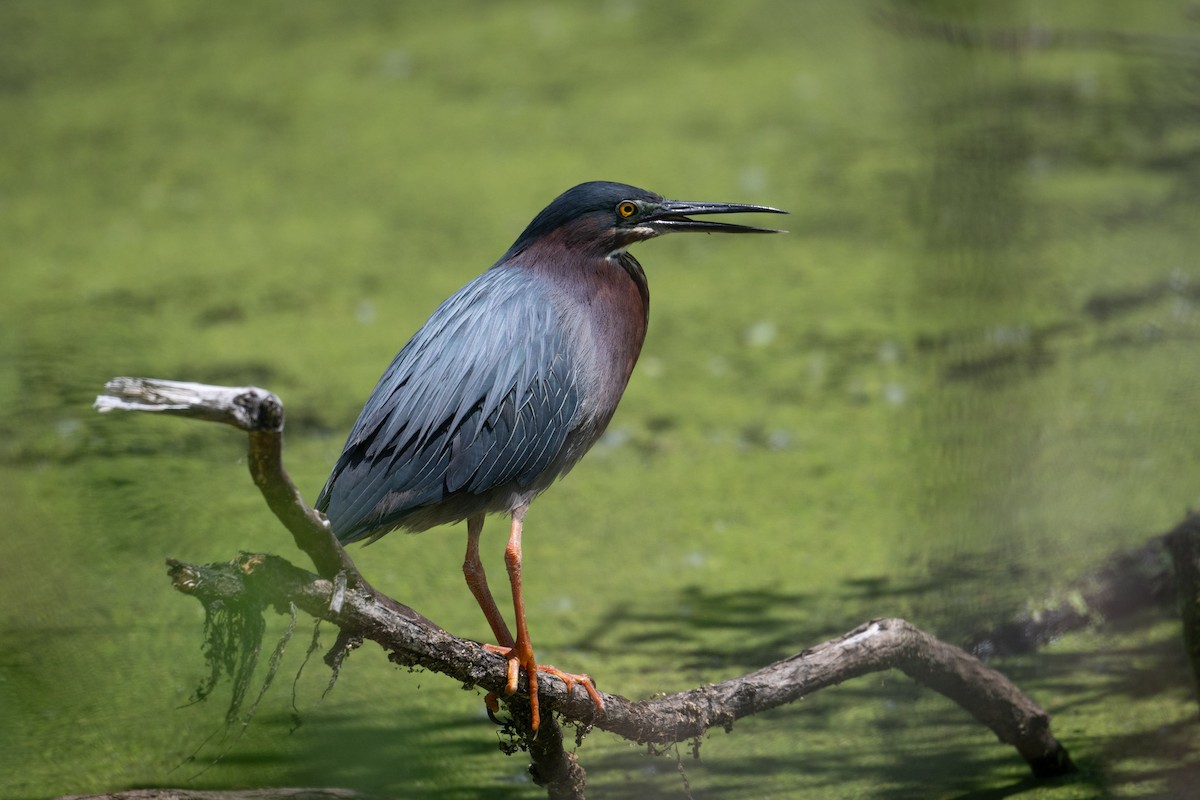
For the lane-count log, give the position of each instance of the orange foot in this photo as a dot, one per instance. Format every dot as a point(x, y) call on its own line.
point(532, 668)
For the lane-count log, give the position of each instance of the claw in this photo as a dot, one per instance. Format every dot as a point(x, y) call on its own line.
point(514, 665)
point(572, 678)
point(532, 668)
point(493, 707)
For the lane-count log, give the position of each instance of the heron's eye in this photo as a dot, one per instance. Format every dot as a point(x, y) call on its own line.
point(627, 208)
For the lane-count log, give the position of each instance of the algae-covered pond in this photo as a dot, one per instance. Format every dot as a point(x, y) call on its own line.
point(965, 378)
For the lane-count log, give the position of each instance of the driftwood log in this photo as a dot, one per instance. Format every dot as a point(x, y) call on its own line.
point(1183, 542)
point(339, 594)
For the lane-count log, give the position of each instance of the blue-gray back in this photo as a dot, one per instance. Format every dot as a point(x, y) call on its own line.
point(482, 395)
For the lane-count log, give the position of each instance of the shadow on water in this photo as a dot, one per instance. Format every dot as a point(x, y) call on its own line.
point(905, 741)
point(867, 736)
point(1008, 353)
point(390, 756)
point(1031, 192)
point(385, 755)
point(758, 626)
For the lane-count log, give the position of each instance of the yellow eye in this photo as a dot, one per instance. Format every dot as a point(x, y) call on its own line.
point(627, 208)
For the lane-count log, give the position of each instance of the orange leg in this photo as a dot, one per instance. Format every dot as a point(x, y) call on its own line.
point(477, 583)
point(519, 652)
point(522, 650)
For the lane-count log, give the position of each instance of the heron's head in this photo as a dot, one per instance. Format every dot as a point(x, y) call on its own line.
point(608, 217)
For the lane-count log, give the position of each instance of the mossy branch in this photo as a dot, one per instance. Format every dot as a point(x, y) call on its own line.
point(875, 646)
point(337, 593)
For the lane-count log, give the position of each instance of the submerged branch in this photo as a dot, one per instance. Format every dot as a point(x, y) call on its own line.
point(1126, 583)
point(1184, 545)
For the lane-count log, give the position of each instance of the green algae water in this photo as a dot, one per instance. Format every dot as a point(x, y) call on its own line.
point(964, 378)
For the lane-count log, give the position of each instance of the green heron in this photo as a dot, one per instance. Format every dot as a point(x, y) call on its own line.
point(507, 385)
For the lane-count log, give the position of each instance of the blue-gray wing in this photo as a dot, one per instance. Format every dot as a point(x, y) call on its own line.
point(483, 395)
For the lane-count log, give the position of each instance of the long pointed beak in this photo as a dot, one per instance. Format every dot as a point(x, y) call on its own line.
point(672, 215)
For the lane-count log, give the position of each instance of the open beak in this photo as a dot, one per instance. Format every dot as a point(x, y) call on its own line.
point(672, 215)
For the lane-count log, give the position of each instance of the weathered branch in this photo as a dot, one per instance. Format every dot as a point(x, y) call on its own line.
point(410, 639)
point(260, 414)
point(876, 646)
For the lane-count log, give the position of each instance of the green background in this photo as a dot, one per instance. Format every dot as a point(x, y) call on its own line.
point(966, 376)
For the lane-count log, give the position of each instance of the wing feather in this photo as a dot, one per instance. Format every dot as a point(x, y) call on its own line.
point(483, 395)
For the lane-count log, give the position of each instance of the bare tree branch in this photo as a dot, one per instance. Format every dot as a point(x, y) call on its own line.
point(260, 414)
point(875, 646)
point(409, 638)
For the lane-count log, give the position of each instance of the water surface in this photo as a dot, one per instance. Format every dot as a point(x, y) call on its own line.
point(963, 380)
